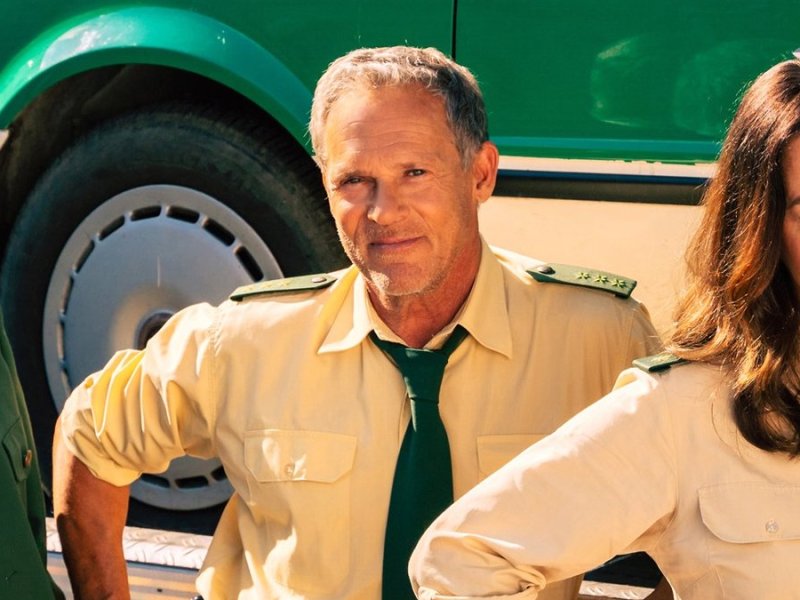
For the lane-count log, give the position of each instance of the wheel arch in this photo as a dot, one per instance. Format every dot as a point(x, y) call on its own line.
point(167, 37)
point(59, 87)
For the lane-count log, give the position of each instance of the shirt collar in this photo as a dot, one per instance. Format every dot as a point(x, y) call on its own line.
point(356, 318)
point(349, 314)
point(485, 313)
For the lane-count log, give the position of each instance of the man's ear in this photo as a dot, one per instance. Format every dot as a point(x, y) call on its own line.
point(484, 171)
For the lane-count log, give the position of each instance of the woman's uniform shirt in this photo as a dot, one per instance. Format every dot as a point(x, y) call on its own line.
point(658, 466)
point(307, 415)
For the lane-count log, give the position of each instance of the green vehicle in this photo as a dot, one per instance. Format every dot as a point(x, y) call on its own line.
point(157, 154)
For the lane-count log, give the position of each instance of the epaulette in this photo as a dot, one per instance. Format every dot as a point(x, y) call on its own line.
point(302, 283)
point(658, 362)
point(571, 275)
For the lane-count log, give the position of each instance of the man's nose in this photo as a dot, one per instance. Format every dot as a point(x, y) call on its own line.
point(388, 204)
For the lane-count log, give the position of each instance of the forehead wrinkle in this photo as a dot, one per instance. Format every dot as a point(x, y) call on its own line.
point(397, 128)
point(403, 152)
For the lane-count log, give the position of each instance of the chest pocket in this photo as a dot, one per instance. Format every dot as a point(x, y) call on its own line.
point(275, 455)
point(494, 451)
point(744, 513)
point(18, 452)
point(300, 482)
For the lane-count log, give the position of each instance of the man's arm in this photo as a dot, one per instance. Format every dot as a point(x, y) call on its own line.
point(90, 515)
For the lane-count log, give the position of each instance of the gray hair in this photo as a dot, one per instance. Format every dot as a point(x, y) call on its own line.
point(400, 66)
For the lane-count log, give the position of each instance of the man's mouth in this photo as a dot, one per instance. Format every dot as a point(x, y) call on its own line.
point(394, 243)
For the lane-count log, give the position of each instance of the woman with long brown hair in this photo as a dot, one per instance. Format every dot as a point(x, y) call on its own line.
point(695, 457)
point(741, 310)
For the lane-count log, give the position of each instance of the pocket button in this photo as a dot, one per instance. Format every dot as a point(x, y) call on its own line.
point(772, 527)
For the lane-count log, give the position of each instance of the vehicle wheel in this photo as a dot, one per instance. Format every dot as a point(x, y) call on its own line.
point(147, 214)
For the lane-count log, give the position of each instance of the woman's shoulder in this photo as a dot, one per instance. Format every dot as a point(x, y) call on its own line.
point(667, 370)
point(667, 378)
point(647, 408)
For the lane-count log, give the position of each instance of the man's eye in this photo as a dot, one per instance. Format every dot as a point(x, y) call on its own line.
point(352, 181)
point(415, 172)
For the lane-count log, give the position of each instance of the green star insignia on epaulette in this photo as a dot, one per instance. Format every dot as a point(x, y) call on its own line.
point(579, 276)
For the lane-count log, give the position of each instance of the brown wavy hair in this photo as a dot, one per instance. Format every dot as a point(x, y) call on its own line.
point(741, 308)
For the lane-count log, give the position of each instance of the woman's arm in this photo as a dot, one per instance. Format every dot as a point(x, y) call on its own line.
point(602, 485)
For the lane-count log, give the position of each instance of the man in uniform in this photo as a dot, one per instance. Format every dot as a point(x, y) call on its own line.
point(297, 388)
point(23, 558)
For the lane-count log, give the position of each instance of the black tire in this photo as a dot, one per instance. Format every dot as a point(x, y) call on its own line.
point(231, 182)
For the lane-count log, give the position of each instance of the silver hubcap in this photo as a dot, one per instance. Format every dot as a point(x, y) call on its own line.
point(131, 264)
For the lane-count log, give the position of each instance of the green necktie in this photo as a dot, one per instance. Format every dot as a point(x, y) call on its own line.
point(423, 478)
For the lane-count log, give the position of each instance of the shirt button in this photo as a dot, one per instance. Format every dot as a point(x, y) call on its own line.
point(289, 469)
point(772, 526)
point(27, 458)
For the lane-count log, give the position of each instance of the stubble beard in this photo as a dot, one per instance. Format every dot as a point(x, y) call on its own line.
point(395, 281)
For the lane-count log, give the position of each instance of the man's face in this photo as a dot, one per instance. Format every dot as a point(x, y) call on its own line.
point(405, 208)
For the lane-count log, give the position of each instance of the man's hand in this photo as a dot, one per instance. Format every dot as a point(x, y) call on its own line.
point(90, 515)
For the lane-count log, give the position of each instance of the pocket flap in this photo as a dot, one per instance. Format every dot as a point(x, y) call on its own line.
point(19, 454)
point(284, 455)
point(496, 450)
point(744, 513)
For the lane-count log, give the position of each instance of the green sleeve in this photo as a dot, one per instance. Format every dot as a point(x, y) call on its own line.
point(23, 557)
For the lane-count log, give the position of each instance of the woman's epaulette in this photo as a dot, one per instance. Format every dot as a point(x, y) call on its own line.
point(658, 362)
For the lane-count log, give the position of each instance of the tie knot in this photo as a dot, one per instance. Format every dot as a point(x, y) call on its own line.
point(422, 369)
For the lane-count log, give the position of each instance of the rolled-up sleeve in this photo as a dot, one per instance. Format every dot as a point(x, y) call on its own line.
point(145, 408)
point(601, 485)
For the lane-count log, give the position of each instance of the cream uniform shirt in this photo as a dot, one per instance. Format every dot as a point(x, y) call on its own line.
point(307, 415)
point(658, 466)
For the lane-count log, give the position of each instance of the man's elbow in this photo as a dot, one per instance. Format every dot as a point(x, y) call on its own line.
point(77, 491)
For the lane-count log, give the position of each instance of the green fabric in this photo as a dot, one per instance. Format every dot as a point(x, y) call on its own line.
point(23, 557)
point(657, 362)
point(423, 478)
point(302, 283)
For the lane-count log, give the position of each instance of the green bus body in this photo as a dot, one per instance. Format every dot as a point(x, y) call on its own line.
point(606, 80)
